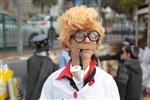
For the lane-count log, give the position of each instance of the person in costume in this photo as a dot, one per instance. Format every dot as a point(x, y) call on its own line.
point(129, 75)
point(39, 67)
point(81, 34)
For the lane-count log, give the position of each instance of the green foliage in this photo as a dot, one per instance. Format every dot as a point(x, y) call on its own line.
point(126, 6)
point(132, 3)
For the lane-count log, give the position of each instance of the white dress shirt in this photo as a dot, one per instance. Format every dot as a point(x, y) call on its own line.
point(104, 88)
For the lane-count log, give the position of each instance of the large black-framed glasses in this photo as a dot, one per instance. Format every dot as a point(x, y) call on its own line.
point(80, 36)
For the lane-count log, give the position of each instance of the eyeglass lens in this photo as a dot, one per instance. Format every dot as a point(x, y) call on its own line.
point(80, 36)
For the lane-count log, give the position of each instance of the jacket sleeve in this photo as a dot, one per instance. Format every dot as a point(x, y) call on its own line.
point(116, 56)
point(122, 80)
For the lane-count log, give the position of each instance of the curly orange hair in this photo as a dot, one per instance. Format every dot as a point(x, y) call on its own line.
point(79, 18)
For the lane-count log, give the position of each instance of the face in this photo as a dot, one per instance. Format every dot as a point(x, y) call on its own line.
point(85, 41)
point(125, 55)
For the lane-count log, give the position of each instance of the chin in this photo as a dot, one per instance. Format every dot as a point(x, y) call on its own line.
point(87, 56)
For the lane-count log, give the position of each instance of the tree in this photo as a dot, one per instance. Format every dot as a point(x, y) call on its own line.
point(123, 6)
point(131, 3)
point(43, 3)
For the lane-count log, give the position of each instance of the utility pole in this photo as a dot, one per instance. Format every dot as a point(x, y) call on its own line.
point(148, 27)
point(19, 32)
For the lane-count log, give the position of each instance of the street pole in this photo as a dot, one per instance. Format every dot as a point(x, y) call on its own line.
point(19, 32)
point(148, 27)
point(136, 26)
point(99, 6)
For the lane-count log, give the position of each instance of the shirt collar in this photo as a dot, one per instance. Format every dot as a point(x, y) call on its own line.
point(66, 72)
point(41, 53)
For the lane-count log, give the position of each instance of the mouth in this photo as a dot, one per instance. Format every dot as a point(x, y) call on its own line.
point(87, 50)
point(84, 49)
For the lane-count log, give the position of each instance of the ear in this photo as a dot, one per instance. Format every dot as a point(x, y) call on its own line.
point(67, 48)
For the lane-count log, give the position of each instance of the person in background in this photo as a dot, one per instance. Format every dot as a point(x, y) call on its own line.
point(115, 55)
point(129, 75)
point(145, 63)
point(63, 58)
point(81, 32)
point(39, 67)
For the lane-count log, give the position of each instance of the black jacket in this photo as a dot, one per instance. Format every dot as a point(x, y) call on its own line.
point(38, 68)
point(129, 80)
point(116, 56)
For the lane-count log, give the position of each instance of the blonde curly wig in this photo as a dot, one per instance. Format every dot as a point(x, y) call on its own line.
point(79, 18)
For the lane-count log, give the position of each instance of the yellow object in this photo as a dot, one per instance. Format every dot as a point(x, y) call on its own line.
point(5, 75)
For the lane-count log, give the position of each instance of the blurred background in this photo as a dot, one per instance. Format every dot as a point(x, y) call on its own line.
point(21, 20)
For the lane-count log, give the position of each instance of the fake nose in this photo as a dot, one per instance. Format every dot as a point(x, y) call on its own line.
point(87, 40)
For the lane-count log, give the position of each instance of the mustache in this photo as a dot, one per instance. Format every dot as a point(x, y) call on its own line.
point(85, 46)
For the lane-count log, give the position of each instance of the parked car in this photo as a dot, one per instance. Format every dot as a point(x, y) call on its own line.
point(9, 33)
point(43, 22)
